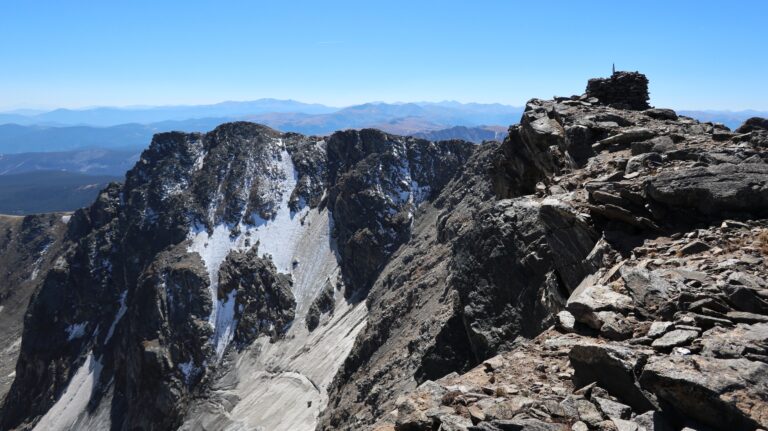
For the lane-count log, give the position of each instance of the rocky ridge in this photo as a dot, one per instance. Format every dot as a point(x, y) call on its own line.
point(662, 322)
point(205, 263)
point(29, 247)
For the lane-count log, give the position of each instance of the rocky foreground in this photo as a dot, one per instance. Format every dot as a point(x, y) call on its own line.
point(670, 328)
point(601, 268)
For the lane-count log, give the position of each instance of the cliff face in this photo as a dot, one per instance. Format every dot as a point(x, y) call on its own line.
point(250, 279)
point(601, 277)
point(204, 266)
point(29, 247)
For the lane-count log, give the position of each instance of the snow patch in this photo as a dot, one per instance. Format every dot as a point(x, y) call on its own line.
point(76, 330)
point(277, 237)
point(120, 313)
point(189, 370)
point(38, 261)
point(74, 401)
point(65, 218)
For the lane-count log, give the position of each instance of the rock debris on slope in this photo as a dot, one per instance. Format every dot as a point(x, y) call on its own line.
point(665, 325)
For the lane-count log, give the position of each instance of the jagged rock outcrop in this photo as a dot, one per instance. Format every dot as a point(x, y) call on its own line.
point(29, 247)
point(265, 304)
point(378, 180)
point(217, 240)
point(674, 283)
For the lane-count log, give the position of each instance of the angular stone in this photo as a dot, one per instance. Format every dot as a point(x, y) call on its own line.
point(624, 425)
point(613, 368)
point(508, 408)
point(694, 247)
point(476, 414)
point(588, 412)
point(612, 409)
point(615, 326)
point(735, 342)
point(565, 321)
point(627, 136)
point(658, 329)
point(453, 422)
point(588, 299)
point(653, 421)
point(649, 289)
point(637, 163)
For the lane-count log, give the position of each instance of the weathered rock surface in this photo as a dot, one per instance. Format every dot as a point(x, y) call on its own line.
point(29, 247)
point(217, 240)
point(664, 328)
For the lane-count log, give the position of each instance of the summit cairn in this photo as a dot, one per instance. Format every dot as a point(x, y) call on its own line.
point(624, 90)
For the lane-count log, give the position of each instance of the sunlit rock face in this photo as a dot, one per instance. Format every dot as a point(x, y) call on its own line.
point(231, 268)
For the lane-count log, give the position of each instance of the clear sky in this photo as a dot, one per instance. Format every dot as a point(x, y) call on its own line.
point(697, 54)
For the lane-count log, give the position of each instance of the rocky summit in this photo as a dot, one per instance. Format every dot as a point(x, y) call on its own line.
point(601, 268)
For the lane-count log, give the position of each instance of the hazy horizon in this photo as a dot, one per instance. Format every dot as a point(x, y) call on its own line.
point(33, 110)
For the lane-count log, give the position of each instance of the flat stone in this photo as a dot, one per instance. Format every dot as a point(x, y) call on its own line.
point(658, 329)
point(588, 299)
point(677, 337)
point(694, 247)
point(746, 317)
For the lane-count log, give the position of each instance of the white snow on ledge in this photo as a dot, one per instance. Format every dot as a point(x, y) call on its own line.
point(76, 330)
point(277, 238)
point(120, 313)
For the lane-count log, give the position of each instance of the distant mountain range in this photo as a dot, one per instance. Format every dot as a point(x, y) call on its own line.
point(108, 140)
point(112, 116)
point(133, 128)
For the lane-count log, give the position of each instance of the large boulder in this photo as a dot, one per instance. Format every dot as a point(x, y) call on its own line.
point(513, 267)
point(754, 123)
point(722, 393)
point(714, 191)
point(614, 368)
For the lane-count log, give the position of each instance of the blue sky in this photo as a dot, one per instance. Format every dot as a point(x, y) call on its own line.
point(697, 54)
